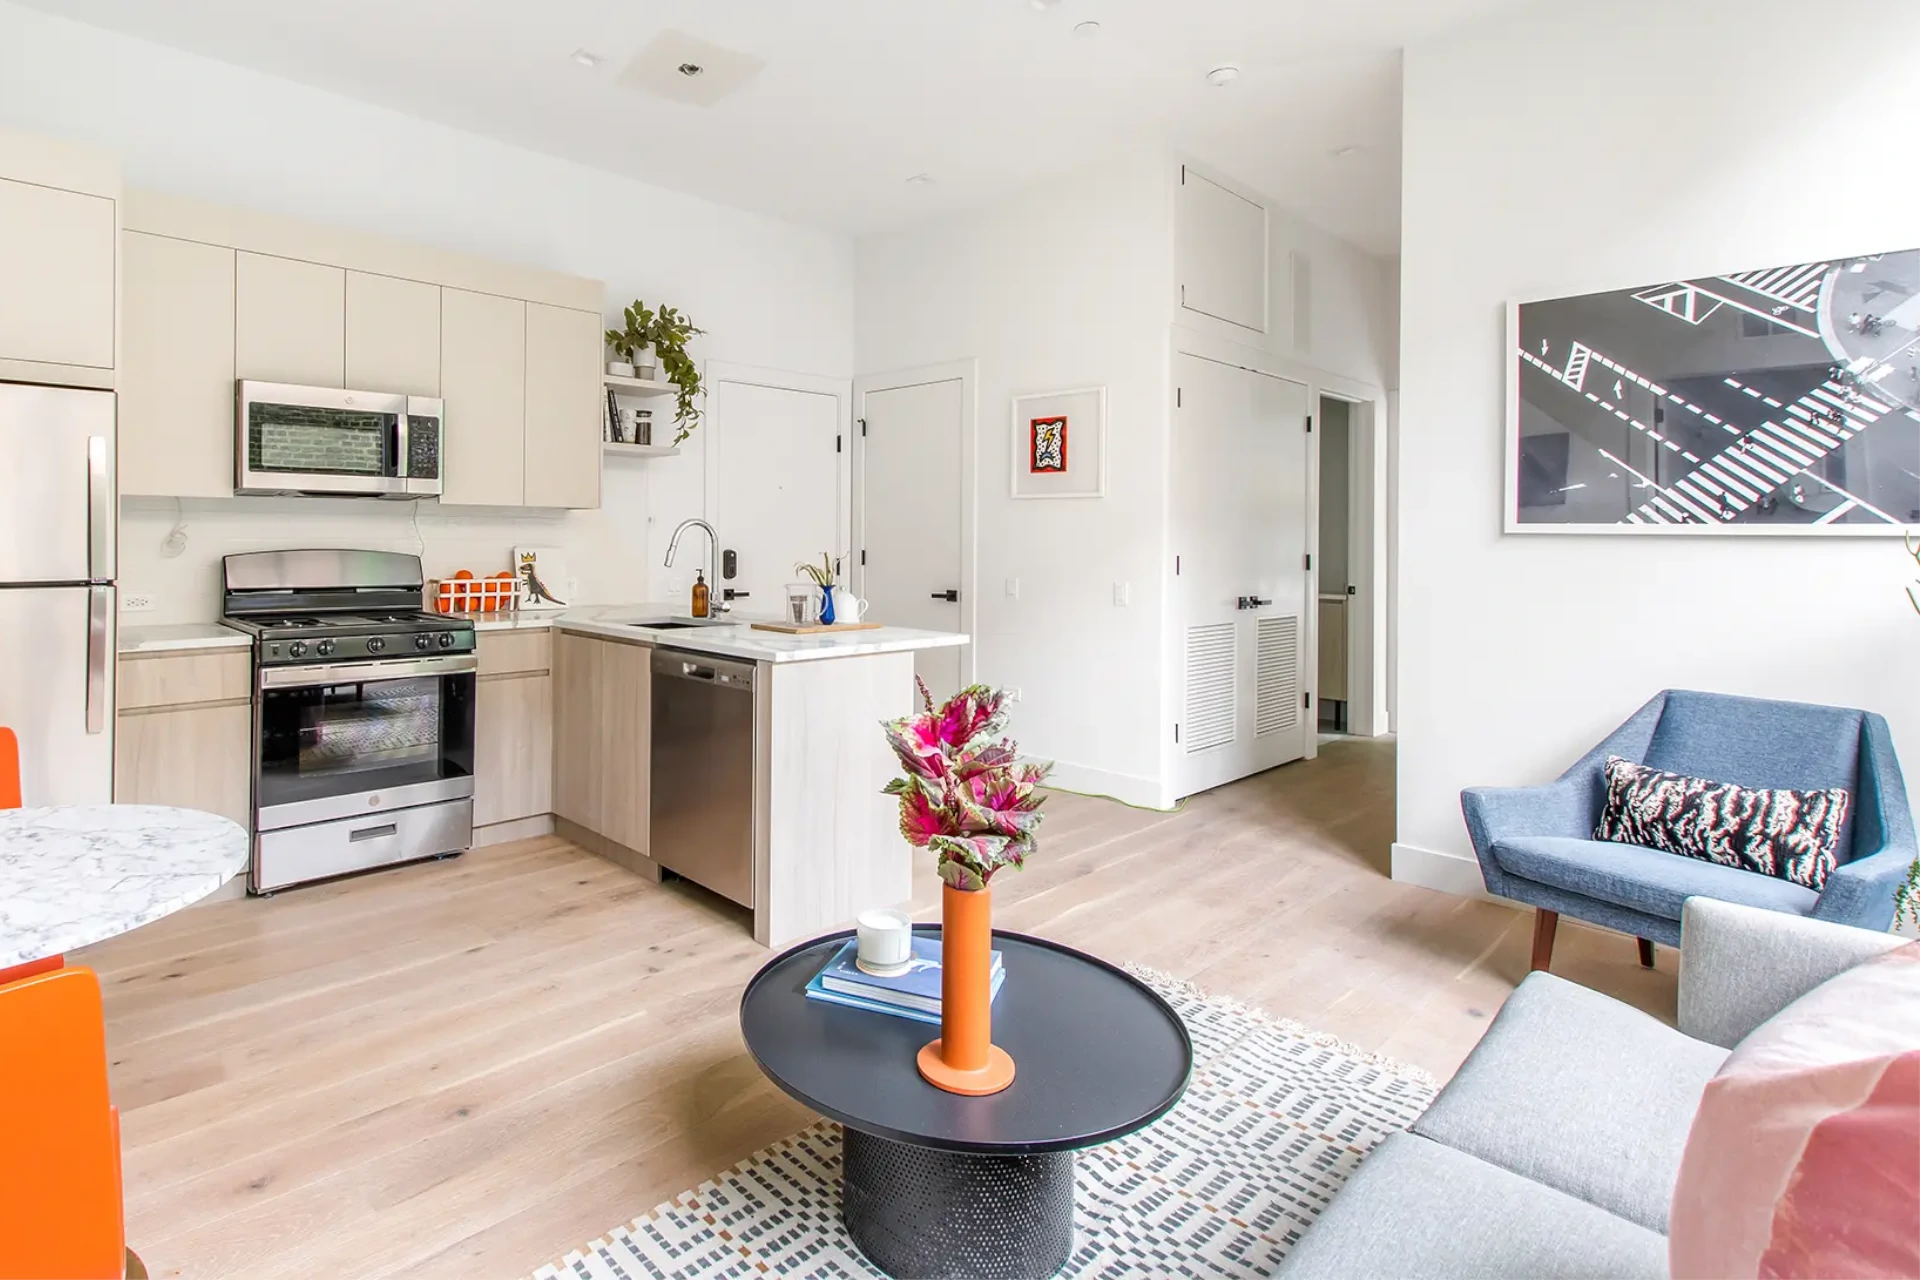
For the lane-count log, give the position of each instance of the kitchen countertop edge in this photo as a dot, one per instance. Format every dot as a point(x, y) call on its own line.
point(179, 637)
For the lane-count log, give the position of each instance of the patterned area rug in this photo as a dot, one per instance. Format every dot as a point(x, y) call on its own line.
point(1275, 1119)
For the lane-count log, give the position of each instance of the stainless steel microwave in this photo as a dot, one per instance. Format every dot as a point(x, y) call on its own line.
point(323, 440)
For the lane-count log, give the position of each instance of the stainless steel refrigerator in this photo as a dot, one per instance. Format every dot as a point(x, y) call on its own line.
point(58, 564)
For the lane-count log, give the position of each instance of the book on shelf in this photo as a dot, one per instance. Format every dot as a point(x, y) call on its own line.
point(917, 990)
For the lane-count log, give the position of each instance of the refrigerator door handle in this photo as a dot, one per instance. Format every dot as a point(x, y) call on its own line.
point(100, 566)
point(99, 613)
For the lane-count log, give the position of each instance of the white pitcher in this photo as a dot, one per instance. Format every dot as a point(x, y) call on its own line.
point(847, 607)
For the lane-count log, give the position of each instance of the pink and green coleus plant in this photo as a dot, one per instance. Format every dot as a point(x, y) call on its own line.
point(966, 795)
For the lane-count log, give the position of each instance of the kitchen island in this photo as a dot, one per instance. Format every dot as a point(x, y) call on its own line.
point(782, 813)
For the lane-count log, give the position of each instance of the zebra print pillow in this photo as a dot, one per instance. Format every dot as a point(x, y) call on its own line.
point(1789, 834)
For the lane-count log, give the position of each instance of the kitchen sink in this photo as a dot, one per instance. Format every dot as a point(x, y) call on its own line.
point(682, 624)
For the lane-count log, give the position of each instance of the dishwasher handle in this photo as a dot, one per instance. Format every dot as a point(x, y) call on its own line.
point(679, 664)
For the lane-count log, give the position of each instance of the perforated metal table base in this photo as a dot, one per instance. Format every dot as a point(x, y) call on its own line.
point(923, 1214)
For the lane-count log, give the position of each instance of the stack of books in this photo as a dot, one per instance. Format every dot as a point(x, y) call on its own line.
point(914, 994)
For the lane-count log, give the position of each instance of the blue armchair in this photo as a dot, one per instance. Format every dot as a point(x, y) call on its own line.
point(1536, 844)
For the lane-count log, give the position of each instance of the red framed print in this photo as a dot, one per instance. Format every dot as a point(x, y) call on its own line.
point(1047, 445)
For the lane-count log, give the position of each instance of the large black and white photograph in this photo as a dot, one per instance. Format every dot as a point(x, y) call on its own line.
point(1782, 400)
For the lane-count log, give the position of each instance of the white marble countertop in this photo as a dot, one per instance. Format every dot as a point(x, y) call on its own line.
point(734, 640)
point(73, 875)
point(168, 637)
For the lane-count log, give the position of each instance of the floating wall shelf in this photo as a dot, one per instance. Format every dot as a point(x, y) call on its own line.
point(615, 450)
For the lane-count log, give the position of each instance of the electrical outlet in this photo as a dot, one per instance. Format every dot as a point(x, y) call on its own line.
point(138, 601)
point(1122, 594)
point(1013, 693)
point(1013, 588)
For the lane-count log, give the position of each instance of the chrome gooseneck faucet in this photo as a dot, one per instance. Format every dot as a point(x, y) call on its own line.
point(716, 602)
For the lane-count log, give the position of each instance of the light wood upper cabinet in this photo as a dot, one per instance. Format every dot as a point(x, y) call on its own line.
point(57, 263)
point(483, 379)
point(602, 736)
point(176, 380)
point(564, 407)
point(393, 334)
point(291, 321)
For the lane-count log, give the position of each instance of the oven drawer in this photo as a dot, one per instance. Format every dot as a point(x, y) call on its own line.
point(295, 855)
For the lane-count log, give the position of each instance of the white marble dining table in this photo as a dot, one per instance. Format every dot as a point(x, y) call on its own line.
point(73, 875)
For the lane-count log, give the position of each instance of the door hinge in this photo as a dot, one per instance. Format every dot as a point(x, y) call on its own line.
point(1306, 701)
point(836, 444)
point(863, 556)
point(1183, 295)
point(1309, 559)
point(1176, 566)
point(1309, 424)
point(1176, 733)
point(1183, 175)
point(1178, 394)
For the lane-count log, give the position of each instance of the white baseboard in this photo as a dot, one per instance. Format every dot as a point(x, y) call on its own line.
point(1432, 869)
point(1144, 792)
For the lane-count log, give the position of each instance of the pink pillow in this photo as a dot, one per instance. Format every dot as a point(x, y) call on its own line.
point(1804, 1159)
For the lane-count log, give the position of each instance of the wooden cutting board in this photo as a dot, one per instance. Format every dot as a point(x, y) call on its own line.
point(815, 628)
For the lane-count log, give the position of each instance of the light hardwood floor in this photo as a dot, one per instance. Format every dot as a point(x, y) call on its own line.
point(465, 1069)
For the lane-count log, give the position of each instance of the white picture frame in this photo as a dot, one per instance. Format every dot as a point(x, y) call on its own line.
point(1078, 449)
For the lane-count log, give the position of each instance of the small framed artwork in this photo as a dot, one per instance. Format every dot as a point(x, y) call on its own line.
point(542, 574)
point(1060, 444)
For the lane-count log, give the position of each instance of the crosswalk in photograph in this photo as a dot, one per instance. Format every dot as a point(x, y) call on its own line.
point(1782, 399)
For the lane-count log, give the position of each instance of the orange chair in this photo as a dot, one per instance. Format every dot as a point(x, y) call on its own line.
point(10, 799)
point(61, 1216)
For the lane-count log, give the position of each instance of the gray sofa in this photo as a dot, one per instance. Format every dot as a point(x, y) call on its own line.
point(1553, 1151)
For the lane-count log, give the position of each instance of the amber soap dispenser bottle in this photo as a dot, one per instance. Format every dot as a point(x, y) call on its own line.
point(702, 595)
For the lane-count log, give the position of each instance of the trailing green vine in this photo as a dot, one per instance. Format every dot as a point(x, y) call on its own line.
point(667, 332)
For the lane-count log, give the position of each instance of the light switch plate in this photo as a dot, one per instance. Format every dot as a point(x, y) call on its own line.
point(1122, 594)
point(1013, 588)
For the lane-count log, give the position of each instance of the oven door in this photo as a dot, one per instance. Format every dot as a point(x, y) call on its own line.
point(355, 738)
point(319, 440)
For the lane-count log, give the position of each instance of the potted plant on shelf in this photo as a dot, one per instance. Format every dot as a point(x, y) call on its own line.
point(969, 797)
point(662, 336)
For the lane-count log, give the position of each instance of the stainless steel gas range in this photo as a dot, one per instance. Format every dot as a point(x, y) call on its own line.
point(363, 710)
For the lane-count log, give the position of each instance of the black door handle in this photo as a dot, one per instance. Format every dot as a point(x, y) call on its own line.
point(951, 597)
point(728, 593)
point(1251, 602)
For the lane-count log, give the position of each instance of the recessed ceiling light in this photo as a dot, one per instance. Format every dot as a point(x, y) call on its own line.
point(690, 69)
point(1087, 30)
point(920, 180)
point(1221, 77)
point(585, 59)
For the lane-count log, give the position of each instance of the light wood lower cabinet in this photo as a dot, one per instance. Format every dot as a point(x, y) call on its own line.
point(603, 727)
point(196, 755)
point(513, 747)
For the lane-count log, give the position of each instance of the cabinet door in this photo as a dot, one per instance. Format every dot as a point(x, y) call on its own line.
point(565, 403)
point(57, 251)
point(176, 382)
point(193, 757)
point(603, 727)
point(483, 379)
point(513, 748)
point(393, 334)
point(1221, 253)
point(291, 321)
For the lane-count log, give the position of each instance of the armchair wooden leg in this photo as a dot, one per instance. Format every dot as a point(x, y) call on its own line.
point(1646, 954)
point(1544, 923)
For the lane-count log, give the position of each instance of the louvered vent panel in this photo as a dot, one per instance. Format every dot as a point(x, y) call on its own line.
point(1210, 707)
point(1277, 676)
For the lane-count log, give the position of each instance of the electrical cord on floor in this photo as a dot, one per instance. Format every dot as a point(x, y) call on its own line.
point(1178, 805)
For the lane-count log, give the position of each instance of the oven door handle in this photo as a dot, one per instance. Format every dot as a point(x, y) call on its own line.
point(307, 677)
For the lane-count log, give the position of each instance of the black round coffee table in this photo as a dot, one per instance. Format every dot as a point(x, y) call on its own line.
point(938, 1185)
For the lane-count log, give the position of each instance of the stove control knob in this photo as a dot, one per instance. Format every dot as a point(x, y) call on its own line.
point(297, 649)
point(423, 641)
point(324, 648)
point(446, 639)
point(375, 644)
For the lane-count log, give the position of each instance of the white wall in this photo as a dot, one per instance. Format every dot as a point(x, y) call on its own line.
point(770, 294)
point(1552, 152)
point(1066, 285)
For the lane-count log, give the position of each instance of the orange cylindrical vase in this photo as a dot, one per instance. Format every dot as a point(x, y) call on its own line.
point(964, 1059)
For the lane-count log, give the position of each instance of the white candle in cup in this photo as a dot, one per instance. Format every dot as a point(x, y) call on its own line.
point(886, 941)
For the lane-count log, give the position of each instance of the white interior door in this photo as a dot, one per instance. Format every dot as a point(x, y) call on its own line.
point(1240, 510)
point(778, 500)
point(910, 536)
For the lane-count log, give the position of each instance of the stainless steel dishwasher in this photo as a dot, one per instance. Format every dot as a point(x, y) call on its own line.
point(702, 795)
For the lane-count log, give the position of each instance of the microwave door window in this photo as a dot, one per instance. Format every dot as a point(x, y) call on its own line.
point(307, 440)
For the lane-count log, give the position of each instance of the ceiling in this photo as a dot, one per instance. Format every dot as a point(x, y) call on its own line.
point(858, 96)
